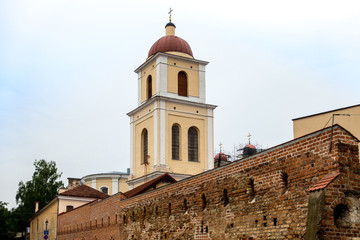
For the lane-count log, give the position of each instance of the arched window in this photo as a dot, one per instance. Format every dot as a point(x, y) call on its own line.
point(175, 143)
point(193, 144)
point(144, 146)
point(149, 87)
point(104, 190)
point(182, 84)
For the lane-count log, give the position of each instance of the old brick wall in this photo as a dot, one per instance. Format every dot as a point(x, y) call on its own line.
point(344, 191)
point(262, 197)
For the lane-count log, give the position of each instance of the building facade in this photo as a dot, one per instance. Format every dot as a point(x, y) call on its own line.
point(297, 190)
point(171, 130)
point(109, 183)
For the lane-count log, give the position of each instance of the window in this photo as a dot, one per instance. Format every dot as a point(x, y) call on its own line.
point(69, 208)
point(204, 202)
point(182, 84)
point(175, 142)
point(144, 146)
point(225, 197)
point(193, 145)
point(104, 190)
point(149, 87)
point(251, 189)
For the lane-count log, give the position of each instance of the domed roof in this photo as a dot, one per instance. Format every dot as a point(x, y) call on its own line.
point(250, 146)
point(170, 44)
point(223, 157)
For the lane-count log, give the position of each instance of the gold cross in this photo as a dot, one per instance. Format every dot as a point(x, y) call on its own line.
point(220, 146)
point(170, 11)
point(249, 136)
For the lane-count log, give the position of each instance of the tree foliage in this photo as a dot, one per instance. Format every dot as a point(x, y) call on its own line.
point(4, 221)
point(41, 188)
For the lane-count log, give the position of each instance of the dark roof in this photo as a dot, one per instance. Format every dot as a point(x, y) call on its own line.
point(85, 191)
point(324, 182)
point(142, 188)
point(170, 24)
point(339, 109)
point(170, 44)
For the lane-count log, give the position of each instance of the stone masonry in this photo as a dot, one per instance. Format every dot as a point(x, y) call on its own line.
point(265, 196)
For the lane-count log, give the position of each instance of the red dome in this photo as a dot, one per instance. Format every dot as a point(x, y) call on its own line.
point(170, 44)
point(250, 146)
point(223, 157)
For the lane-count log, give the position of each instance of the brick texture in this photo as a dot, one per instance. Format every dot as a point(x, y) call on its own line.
point(264, 196)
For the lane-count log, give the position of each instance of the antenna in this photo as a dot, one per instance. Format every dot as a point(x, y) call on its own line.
point(332, 127)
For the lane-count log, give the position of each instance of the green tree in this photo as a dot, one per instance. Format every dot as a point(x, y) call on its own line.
point(4, 221)
point(41, 188)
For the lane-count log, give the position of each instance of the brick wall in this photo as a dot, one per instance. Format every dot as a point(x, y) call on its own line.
point(262, 197)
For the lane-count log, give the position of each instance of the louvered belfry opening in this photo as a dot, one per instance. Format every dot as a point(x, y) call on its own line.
point(175, 142)
point(149, 87)
point(182, 84)
point(192, 144)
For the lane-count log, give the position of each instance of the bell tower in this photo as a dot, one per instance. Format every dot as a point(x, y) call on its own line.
point(171, 130)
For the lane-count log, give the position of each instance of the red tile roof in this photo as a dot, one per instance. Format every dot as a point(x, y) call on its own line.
point(85, 191)
point(142, 188)
point(170, 44)
point(324, 182)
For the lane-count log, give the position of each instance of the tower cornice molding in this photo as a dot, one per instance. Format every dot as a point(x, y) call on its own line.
point(147, 62)
point(168, 99)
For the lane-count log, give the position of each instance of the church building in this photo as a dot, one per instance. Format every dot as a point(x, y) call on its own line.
point(171, 130)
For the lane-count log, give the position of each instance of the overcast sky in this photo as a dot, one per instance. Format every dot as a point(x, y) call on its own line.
point(67, 80)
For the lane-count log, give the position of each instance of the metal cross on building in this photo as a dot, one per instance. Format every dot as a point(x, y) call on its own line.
point(249, 136)
point(170, 11)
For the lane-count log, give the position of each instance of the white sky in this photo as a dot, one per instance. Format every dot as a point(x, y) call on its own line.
point(67, 80)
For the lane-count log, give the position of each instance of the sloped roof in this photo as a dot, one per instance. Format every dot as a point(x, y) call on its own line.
point(324, 182)
point(85, 191)
point(142, 188)
point(334, 110)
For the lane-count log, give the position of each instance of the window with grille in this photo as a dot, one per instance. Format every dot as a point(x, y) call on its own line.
point(149, 87)
point(182, 84)
point(144, 146)
point(175, 142)
point(193, 145)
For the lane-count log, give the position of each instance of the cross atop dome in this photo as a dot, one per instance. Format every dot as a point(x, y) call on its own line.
point(249, 136)
point(170, 11)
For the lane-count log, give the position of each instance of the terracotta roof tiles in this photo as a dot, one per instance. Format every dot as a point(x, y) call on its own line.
point(85, 191)
point(324, 182)
point(142, 188)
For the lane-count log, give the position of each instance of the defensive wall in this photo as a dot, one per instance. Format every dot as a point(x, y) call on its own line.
point(265, 196)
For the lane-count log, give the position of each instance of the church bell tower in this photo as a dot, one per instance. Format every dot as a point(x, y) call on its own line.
point(171, 130)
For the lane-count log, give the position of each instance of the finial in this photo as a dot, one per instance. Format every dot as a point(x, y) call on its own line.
point(220, 146)
point(170, 11)
point(249, 136)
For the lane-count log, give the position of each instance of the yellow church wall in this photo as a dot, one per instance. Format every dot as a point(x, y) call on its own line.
point(150, 69)
point(148, 123)
point(123, 186)
point(185, 117)
point(37, 224)
point(104, 182)
point(192, 71)
point(88, 183)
